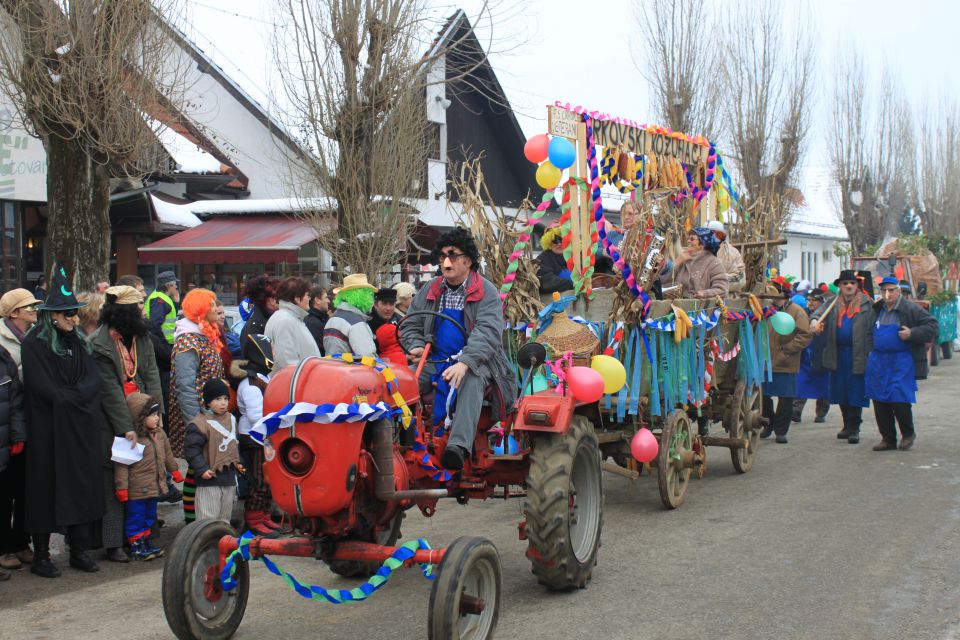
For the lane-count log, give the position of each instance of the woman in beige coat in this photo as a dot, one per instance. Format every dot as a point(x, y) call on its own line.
point(697, 269)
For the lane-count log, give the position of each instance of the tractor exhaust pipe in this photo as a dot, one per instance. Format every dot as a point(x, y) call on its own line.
point(384, 484)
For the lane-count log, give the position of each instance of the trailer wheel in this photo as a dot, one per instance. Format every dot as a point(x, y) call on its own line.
point(564, 506)
point(355, 569)
point(747, 408)
point(194, 602)
point(676, 442)
point(465, 598)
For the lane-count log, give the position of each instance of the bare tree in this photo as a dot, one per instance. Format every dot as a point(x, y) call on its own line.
point(768, 89)
point(939, 170)
point(680, 62)
point(83, 75)
point(872, 151)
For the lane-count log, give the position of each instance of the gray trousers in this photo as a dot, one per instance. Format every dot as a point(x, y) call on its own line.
point(215, 503)
point(467, 414)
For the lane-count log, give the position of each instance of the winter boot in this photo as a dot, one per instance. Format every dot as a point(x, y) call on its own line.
point(256, 522)
point(152, 547)
point(41, 565)
point(80, 560)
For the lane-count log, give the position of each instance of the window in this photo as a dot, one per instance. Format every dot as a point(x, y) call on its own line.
point(809, 266)
point(10, 251)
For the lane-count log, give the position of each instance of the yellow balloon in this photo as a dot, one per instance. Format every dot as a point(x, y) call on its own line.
point(611, 370)
point(548, 176)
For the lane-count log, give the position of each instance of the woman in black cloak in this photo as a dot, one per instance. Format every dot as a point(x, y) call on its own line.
point(65, 455)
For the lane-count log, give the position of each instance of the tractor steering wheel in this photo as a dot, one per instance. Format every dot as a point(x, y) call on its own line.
point(443, 318)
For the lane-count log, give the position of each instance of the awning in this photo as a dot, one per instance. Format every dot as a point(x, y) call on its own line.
point(254, 239)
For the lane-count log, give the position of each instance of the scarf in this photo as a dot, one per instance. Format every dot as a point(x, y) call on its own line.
point(848, 310)
point(19, 335)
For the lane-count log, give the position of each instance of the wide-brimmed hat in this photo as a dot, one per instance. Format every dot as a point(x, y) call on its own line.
point(124, 294)
point(16, 299)
point(354, 281)
point(60, 296)
point(845, 276)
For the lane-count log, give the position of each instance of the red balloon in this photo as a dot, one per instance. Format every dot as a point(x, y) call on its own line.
point(644, 446)
point(537, 148)
point(586, 385)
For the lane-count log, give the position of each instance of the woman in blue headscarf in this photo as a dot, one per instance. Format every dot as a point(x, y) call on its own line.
point(698, 269)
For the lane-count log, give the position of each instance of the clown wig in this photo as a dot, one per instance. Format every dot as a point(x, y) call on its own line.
point(551, 234)
point(196, 305)
point(361, 299)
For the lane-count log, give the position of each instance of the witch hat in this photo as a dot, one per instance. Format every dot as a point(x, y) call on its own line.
point(60, 297)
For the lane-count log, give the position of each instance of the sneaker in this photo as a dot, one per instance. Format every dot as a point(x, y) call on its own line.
point(173, 496)
point(140, 551)
point(820, 419)
point(853, 438)
point(906, 443)
point(843, 435)
point(152, 547)
point(10, 562)
point(782, 439)
point(883, 445)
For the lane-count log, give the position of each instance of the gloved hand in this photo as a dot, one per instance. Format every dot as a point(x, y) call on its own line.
point(177, 476)
point(122, 495)
point(16, 448)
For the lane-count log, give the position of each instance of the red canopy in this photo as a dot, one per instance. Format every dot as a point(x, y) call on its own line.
point(257, 239)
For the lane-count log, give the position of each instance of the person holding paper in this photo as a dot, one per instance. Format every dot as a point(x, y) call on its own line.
point(139, 485)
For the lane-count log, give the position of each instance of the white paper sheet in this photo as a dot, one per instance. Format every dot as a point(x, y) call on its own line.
point(122, 453)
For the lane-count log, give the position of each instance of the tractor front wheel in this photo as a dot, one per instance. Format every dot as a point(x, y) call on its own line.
point(465, 598)
point(564, 506)
point(194, 602)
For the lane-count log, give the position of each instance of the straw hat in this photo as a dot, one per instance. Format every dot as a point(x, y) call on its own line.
point(354, 281)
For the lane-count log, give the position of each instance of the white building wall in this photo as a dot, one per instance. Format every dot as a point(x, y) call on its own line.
point(23, 160)
point(810, 258)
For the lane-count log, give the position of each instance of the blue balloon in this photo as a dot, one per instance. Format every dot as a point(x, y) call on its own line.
point(561, 153)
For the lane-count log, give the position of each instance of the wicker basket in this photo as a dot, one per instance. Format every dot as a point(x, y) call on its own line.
point(564, 335)
point(674, 293)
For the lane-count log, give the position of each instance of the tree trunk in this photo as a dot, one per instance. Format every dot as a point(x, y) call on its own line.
point(78, 222)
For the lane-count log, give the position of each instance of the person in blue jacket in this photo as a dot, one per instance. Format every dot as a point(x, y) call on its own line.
point(898, 359)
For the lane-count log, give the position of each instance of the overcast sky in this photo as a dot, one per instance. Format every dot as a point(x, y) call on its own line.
point(580, 52)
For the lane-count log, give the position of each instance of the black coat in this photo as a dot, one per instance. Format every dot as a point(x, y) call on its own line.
point(315, 322)
point(255, 324)
point(550, 266)
point(923, 329)
point(12, 427)
point(162, 350)
point(64, 478)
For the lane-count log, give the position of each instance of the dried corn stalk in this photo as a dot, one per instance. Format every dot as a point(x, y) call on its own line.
point(495, 235)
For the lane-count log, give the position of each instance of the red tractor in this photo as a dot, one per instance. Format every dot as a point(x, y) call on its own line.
point(347, 486)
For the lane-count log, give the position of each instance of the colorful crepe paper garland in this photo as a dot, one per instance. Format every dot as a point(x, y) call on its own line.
point(403, 554)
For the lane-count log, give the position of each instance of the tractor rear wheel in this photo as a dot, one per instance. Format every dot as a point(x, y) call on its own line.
point(354, 569)
point(564, 506)
point(465, 598)
point(194, 602)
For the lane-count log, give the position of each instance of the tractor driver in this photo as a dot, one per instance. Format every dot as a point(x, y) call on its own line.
point(473, 361)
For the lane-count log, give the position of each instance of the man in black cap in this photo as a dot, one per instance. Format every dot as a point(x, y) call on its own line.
point(384, 308)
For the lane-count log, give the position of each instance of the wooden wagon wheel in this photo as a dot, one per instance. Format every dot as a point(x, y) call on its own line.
point(675, 459)
point(748, 426)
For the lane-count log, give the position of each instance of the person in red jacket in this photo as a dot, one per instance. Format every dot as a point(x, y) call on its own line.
point(383, 323)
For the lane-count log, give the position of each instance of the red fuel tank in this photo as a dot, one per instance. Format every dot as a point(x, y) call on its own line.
point(314, 472)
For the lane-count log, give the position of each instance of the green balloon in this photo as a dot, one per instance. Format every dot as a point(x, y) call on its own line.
point(783, 323)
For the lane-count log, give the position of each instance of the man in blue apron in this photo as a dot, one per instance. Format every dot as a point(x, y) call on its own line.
point(898, 359)
point(471, 362)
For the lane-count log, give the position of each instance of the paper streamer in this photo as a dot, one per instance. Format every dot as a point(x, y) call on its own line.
point(521, 244)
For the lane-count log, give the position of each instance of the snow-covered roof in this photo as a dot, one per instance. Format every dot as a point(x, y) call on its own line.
point(818, 213)
point(189, 157)
point(190, 214)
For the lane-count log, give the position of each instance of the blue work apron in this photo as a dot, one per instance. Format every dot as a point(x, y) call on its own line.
point(449, 342)
point(890, 375)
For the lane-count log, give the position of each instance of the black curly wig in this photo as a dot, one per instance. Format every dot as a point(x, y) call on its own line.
point(125, 319)
point(461, 239)
point(259, 289)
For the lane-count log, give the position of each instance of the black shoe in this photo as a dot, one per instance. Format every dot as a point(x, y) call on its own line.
point(44, 568)
point(80, 560)
point(782, 439)
point(820, 419)
point(796, 417)
point(117, 554)
point(452, 458)
point(853, 438)
point(843, 435)
point(906, 443)
point(883, 445)
point(766, 432)
point(173, 496)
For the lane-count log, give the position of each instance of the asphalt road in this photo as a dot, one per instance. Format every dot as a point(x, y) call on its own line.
point(821, 540)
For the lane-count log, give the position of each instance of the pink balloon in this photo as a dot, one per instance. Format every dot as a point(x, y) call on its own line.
point(644, 446)
point(586, 385)
point(537, 148)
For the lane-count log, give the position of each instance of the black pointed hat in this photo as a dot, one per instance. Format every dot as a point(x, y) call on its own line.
point(60, 297)
point(259, 354)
